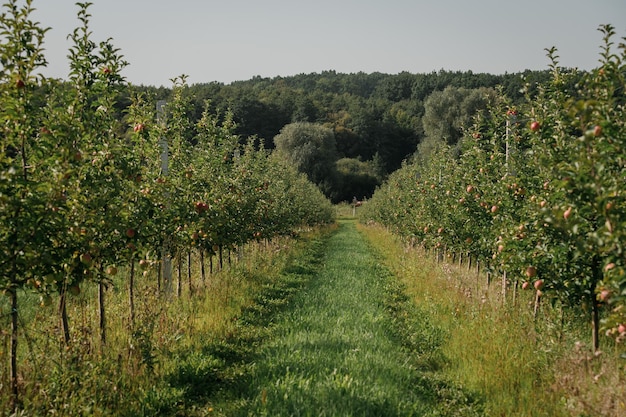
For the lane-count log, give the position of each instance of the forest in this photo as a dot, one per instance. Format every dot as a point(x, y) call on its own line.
point(374, 121)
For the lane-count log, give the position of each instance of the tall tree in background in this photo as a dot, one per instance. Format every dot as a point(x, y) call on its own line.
point(447, 111)
point(311, 149)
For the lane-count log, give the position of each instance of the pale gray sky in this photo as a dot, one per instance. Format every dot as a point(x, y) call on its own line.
point(228, 40)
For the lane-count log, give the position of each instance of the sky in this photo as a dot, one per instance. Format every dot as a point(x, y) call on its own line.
point(230, 40)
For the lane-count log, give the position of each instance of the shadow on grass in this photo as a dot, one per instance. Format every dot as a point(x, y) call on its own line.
point(219, 371)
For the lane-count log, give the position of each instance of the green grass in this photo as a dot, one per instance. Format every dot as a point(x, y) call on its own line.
point(518, 365)
point(341, 348)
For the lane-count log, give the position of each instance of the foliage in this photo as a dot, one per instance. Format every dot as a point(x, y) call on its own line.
point(536, 192)
point(87, 191)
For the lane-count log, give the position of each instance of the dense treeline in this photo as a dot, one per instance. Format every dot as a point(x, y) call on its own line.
point(377, 119)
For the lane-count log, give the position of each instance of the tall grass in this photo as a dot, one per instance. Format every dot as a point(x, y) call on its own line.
point(341, 348)
point(519, 364)
point(177, 354)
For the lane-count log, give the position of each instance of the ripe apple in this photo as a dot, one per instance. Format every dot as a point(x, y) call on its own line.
point(494, 209)
point(201, 207)
point(20, 83)
point(130, 233)
point(111, 270)
point(604, 295)
point(86, 259)
point(470, 189)
point(106, 70)
point(621, 328)
point(568, 213)
point(531, 271)
point(538, 284)
point(597, 131)
point(144, 264)
point(525, 285)
point(609, 266)
point(535, 126)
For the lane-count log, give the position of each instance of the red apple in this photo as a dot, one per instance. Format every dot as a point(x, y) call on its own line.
point(597, 131)
point(470, 189)
point(609, 266)
point(86, 259)
point(531, 271)
point(535, 126)
point(130, 233)
point(567, 213)
point(538, 284)
point(20, 83)
point(494, 209)
point(138, 127)
point(621, 328)
point(604, 295)
point(525, 285)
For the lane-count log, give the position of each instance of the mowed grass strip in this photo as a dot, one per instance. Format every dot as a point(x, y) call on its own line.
point(334, 351)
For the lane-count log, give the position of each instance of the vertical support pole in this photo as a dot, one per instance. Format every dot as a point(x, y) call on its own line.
point(166, 257)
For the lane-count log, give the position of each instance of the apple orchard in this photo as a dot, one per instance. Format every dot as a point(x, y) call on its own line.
point(536, 194)
point(85, 193)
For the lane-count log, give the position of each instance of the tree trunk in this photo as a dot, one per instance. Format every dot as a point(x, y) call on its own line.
point(202, 273)
point(189, 273)
point(537, 304)
point(102, 310)
point(65, 326)
point(595, 318)
point(179, 288)
point(15, 400)
point(131, 294)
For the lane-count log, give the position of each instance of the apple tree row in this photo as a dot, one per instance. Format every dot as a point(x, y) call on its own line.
point(537, 191)
point(83, 186)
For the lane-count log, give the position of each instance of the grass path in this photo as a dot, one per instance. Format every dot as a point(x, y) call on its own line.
point(336, 351)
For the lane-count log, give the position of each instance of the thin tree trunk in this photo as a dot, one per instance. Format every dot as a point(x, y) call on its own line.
point(189, 272)
point(102, 310)
point(179, 289)
point(65, 326)
point(15, 400)
point(131, 294)
point(159, 275)
point(537, 304)
point(595, 319)
point(202, 273)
